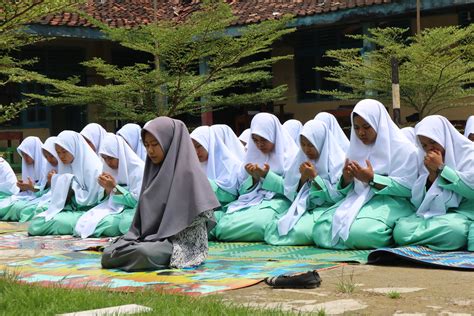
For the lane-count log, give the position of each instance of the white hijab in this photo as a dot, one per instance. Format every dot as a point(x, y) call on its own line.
point(81, 175)
point(38, 171)
point(222, 166)
point(245, 137)
point(335, 128)
point(129, 173)
point(391, 155)
point(268, 126)
point(132, 135)
point(459, 155)
point(49, 147)
point(130, 168)
point(293, 127)
point(95, 134)
point(328, 166)
point(469, 129)
point(8, 178)
point(231, 141)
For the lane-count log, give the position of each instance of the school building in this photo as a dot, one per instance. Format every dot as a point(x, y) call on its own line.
point(321, 26)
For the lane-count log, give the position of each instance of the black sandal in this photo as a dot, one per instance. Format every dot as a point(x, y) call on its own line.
point(306, 280)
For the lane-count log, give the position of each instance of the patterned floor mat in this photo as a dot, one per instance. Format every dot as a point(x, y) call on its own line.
point(82, 269)
point(11, 227)
point(264, 251)
point(425, 256)
point(66, 243)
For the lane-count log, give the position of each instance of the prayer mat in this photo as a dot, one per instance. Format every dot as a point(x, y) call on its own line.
point(13, 255)
point(82, 269)
point(66, 242)
point(425, 256)
point(11, 227)
point(304, 253)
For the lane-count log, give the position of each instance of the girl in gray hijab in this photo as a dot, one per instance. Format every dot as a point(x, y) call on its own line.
point(175, 208)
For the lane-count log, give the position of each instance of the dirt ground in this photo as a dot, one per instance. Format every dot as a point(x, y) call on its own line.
point(378, 290)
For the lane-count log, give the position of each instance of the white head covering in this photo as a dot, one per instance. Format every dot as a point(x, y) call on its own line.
point(469, 129)
point(222, 165)
point(245, 137)
point(227, 135)
point(265, 125)
point(95, 134)
point(85, 167)
point(391, 155)
point(49, 147)
point(129, 173)
point(132, 135)
point(409, 133)
point(328, 166)
point(459, 155)
point(335, 129)
point(268, 126)
point(130, 168)
point(80, 175)
point(38, 170)
point(293, 127)
point(7, 178)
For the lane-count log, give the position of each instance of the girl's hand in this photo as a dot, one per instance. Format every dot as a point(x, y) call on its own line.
point(107, 182)
point(363, 174)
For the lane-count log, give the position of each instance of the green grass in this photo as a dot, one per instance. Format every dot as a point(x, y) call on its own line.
point(346, 283)
point(393, 295)
point(29, 299)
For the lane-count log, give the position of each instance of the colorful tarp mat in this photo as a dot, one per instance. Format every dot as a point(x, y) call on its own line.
point(83, 269)
point(11, 227)
point(425, 256)
point(68, 243)
point(264, 251)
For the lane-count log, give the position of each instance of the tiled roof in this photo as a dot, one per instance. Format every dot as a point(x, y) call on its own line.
point(133, 12)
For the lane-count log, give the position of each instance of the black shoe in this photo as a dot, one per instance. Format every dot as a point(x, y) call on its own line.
point(306, 280)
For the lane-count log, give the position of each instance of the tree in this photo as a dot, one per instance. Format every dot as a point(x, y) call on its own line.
point(435, 68)
point(171, 83)
point(14, 17)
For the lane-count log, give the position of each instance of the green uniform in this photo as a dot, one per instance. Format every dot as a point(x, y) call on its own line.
point(302, 232)
point(373, 225)
point(249, 224)
point(22, 210)
point(118, 224)
point(224, 198)
point(62, 224)
point(443, 232)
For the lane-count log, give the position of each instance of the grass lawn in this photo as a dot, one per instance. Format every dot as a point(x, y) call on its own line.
point(29, 299)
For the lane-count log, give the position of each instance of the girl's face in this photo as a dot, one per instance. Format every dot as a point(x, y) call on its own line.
point(50, 158)
point(112, 162)
point(90, 143)
point(430, 145)
point(65, 156)
point(264, 145)
point(364, 131)
point(308, 148)
point(27, 158)
point(201, 152)
point(153, 149)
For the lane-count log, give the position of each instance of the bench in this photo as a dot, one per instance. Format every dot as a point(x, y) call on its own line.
point(9, 152)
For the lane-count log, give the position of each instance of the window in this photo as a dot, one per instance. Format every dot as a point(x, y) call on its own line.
point(310, 49)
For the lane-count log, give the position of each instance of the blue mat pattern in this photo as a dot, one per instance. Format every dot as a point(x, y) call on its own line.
point(424, 255)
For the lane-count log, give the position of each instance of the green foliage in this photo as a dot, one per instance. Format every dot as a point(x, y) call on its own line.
point(435, 68)
point(14, 16)
point(394, 295)
point(171, 83)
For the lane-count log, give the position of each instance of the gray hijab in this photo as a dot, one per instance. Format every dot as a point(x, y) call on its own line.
point(175, 192)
